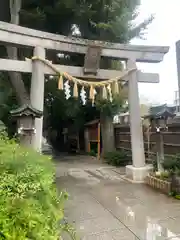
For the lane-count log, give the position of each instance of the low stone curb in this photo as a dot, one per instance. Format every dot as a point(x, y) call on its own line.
point(156, 183)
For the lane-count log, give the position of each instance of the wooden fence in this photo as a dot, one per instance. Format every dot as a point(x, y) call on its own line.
point(171, 140)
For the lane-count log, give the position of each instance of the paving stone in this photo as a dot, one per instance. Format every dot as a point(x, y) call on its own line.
point(171, 227)
point(123, 234)
point(85, 211)
point(100, 236)
point(98, 225)
point(102, 206)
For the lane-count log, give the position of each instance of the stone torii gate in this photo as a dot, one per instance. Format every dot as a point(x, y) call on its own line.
point(42, 41)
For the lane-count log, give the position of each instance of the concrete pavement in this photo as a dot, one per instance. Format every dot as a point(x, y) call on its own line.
point(104, 206)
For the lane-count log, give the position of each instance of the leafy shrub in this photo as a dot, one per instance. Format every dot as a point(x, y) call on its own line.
point(164, 175)
point(154, 163)
point(116, 158)
point(92, 153)
point(177, 197)
point(30, 206)
point(172, 164)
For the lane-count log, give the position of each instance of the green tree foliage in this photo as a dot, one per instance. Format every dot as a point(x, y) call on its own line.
point(66, 111)
point(5, 92)
point(8, 102)
point(109, 109)
point(117, 158)
point(30, 206)
point(109, 20)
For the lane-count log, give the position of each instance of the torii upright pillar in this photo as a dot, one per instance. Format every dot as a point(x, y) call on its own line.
point(37, 95)
point(138, 171)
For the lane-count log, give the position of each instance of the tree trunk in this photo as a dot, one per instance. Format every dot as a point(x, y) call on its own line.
point(107, 133)
point(12, 52)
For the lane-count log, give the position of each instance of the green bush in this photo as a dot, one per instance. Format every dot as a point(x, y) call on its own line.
point(116, 158)
point(92, 153)
point(164, 175)
point(30, 206)
point(172, 164)
point(154, 163)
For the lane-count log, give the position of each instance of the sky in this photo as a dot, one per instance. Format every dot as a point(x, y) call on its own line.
point(164, 30)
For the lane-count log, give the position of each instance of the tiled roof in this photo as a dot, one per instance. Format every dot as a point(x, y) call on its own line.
point(161, 111)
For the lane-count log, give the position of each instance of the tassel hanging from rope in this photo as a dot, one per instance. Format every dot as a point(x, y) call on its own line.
point(116, 87)
point(91, 94)
point(60, 82)
point(75, 90)
point(110, 92)
point(104, 93)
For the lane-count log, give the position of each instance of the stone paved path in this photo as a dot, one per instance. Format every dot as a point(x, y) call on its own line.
point(103, 206)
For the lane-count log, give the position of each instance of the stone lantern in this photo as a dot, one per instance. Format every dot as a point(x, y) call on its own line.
point(25, 117)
